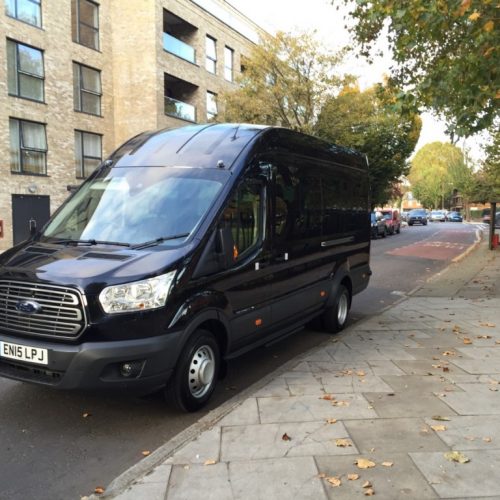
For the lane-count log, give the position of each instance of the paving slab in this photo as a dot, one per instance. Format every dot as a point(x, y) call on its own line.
point(204, 447)
point(252, 442)
point(478, 366)
point(420, 383)
point(476, 400)
point(245, 414)
point(393, 435)
point(477, 478)
point(402, 480)
point(276, 479)
point(470, 432)
point(430, 367)
point(312, 408)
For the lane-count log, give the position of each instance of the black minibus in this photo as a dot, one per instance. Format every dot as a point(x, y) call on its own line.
point(186, 248)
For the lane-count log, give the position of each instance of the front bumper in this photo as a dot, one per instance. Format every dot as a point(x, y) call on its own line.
point(96, 365)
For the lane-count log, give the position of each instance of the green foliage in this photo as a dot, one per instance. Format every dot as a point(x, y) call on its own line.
point(286, 80)
point(436, 170)
point(446, 54)
point(369, 122)
point(487, 187)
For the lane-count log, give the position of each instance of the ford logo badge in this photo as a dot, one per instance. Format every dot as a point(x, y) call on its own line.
point(28, 306)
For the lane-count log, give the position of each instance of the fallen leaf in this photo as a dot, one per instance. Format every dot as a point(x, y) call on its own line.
point(186, 467)
point(387, 464)
point(334, 481)
point(367, 484)
point(372, 450)
point(145, 453)
point(343, 443)
point(470, 438)
point(321, 475)
point(87, 415)
point(331, 421)
point(209, 462)
point(340, 403)
point(328, 397)
point(435, 358)
point(364, 463)
point(286, 437)
point(360, 373)
point(489, 26)
point(497, 341)
point(99, 490)
point(438, 428)
point(449, 353)
point(446, 369)
point(484, 336)
point(467, 340)
point(494, 389)
point(369, 492)
point(487, 439)
point(456, 456)
point(488, 325)
point(440, 418)
point(352, 477)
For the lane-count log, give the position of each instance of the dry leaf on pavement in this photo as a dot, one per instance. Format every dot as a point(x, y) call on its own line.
point(286, 437)
point(99, 490)
point(488, 325)
point(87, 415)
point(440, 418)
point(364, 463)
point(209, 462)
point(369, 492)
point(484, 336)
point(456, 456)
point(438, 428)
point(343, 443)
point(449, 353)
point(145, 453)
point(467, 340)
point(367, 484)
point(328, 397)
point(340, 403)
point(487, 439)
point(387, 464)
point(331, 421)
point(352, 477)
point(334, 481)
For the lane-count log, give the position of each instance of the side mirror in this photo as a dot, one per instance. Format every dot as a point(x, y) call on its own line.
point(225, 247)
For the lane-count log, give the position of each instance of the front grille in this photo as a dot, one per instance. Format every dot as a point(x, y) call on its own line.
point(62, 312)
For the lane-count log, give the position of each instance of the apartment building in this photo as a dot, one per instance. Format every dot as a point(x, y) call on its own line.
point(79, 77)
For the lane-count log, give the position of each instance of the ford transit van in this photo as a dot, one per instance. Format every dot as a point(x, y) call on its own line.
point(186, 248)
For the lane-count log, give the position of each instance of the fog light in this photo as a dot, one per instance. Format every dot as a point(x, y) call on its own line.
point(131, 368)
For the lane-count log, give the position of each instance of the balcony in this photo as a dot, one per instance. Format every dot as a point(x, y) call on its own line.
point(179, 37)
point(179, 109)
point(179, 48)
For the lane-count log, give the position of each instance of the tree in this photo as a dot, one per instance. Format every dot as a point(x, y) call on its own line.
point(369, 122)
point(446, 54)
point(436, 170)
point(487, 186)
point(286, 80)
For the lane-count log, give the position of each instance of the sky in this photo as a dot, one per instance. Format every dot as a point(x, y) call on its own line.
point(306, 15)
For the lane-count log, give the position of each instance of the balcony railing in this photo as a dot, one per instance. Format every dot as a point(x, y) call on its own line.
point(178, 48)
point(180, 109)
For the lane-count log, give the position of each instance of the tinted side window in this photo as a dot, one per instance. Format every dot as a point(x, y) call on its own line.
point(243, 215)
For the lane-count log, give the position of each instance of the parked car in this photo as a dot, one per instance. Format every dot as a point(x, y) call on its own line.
point(486, 215)
point(379, 227)
point(497, 220)
point(438, 216)
point(184, 249)
point(417, 216)
point(455, 217)
point(392, 221)
point(404, 215)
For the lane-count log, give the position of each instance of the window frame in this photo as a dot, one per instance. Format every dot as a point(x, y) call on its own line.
point(18, 71)
point(210, 115)
point(21, 147)
point(208, 58)
point(16, 13)
point(80, 162)
point(78, 23)
point(82, 90)
point(228, 51)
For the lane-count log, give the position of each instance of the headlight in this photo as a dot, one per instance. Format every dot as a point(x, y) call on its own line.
point(137, 296)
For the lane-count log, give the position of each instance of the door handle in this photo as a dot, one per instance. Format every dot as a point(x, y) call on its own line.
point(261, 265)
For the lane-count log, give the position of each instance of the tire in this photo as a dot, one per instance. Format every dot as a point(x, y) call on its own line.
point(398, 230)
point(195, 376)
point(410, 223)
point(392, 230)
point(384, 234)
point(335, 317)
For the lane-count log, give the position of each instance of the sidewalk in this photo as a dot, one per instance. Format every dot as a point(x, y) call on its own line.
point(373, 411)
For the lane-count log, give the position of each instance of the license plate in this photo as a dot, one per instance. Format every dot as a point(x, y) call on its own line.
point(24, 353)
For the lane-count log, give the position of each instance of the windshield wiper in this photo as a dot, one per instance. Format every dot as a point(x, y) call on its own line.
point(157, 241)
point(91, 242)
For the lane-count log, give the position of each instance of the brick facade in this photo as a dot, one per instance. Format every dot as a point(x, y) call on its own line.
point(132, 62)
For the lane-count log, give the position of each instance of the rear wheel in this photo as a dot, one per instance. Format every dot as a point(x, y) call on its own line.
point(335, 317)
point(195, 375)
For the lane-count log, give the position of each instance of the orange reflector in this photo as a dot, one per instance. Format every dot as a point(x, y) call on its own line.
point(235, 252)
point(322, 293)
point(258, 322)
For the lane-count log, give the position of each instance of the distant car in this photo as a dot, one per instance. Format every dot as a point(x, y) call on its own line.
point(497, 220)
point(417, 216)
point(404, 215)
point(392, 221)
point(378, 225)
point(486, 216)
point(438, 216)
point(455, 217)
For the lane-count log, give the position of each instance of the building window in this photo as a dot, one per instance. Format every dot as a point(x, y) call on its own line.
point(87, 89)
point(85, 23)
point(25, 71)
point(88, 153)
point(28, 147)
point(228, 64)
point(25, 10)
point(211, 106)
point(211, 54)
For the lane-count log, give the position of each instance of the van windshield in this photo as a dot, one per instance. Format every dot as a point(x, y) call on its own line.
point(135, 205)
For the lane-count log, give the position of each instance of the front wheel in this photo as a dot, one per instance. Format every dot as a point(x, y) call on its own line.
point(335, 316)
point(195, 375)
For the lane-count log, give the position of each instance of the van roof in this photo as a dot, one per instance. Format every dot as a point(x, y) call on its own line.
point(207, 145)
